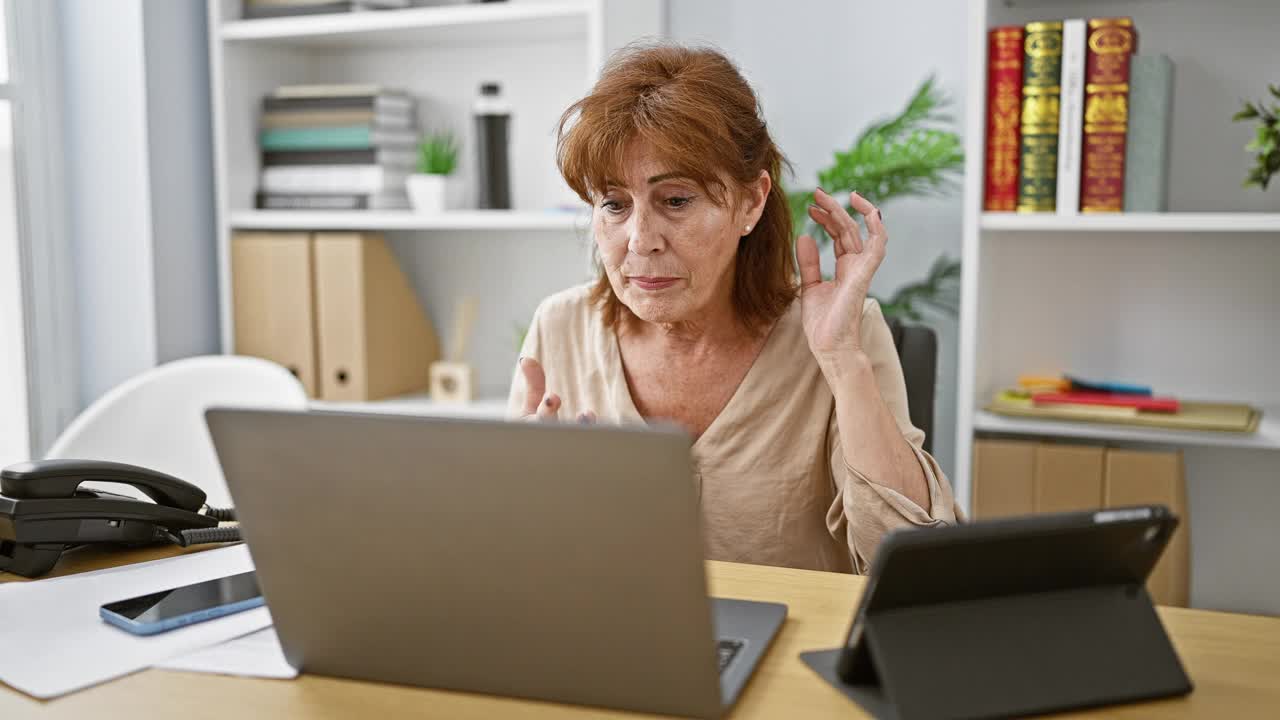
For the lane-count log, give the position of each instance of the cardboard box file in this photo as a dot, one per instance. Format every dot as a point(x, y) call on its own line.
point(373, 339)
point(273, 302)
point(333, 308)
point(1068, 477)
point(1137, 477)
point(1003, 478)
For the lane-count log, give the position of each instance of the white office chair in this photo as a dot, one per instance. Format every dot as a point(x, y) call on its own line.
point(156, 419)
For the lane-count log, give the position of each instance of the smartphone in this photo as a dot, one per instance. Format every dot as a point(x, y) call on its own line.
point(169, 609)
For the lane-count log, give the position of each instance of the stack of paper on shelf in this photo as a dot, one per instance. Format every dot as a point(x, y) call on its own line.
point(336, 147)
point(1069, 398)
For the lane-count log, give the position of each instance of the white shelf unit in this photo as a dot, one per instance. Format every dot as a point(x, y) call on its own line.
point(1186, 301)
point(545, 54)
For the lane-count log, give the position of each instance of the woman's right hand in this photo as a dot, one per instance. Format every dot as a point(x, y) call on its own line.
point(538, 403)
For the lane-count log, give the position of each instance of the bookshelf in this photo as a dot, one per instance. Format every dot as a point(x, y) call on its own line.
point(545, 54)
point(1186, 301)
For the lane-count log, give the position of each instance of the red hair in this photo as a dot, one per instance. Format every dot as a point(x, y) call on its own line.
point(692, 105)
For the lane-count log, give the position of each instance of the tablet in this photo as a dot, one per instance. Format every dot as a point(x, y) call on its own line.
point(1008, 557)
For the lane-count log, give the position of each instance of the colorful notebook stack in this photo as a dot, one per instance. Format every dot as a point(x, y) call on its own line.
point(1072, 398)
point(336, 147)
point(1075, 121)
point(288, 8)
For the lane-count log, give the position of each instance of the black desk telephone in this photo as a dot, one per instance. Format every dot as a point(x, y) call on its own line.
point(43, 511)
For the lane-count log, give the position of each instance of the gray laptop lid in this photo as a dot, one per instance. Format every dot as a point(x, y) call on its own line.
point(558, 562)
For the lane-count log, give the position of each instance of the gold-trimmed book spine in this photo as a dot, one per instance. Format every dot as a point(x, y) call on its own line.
point(1041, 95)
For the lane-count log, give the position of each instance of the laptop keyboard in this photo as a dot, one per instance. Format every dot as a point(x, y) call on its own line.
point(728, 650)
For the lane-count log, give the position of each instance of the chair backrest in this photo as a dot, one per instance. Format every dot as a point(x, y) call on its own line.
point(156, 419)
point(918, 353)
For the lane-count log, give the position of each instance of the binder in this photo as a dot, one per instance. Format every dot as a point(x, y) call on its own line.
point(1003, 478)
point(1139, 477)
point(273, 301)
point(373, 339)
point(1068, 477)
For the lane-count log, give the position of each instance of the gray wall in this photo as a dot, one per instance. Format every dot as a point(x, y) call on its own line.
point(183, 225)
point(824, 69)
point(135, 123)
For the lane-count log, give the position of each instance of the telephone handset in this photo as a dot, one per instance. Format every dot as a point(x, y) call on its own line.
point(44, 510)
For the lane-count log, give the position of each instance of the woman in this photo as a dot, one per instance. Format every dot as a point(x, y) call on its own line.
point(804, 455)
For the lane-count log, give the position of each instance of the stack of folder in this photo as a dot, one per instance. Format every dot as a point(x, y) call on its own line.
point(335, 309)
point(1072, 398)
point(1023, 477)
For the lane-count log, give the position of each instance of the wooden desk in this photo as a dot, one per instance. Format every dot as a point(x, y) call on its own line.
point(1234, 661)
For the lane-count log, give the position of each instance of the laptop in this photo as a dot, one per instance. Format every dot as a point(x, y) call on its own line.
point(550, 561)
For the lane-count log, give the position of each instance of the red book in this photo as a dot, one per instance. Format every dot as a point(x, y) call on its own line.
point(1140, 402)
point(1004, 105)
point(1106, 113)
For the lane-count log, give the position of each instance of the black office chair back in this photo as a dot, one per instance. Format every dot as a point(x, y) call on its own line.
point(918, 353)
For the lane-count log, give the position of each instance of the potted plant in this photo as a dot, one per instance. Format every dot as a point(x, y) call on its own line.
point(1266, 139)
point(914, 154)
point(431, 188)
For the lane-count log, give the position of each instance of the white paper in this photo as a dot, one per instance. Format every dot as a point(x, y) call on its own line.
point(54, 641)
point(254, 655)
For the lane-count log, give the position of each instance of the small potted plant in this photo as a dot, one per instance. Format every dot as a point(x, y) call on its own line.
point(1266, 139)
point(430, 189)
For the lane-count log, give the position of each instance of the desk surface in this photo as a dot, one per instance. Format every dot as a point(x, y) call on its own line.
point(1234, 661)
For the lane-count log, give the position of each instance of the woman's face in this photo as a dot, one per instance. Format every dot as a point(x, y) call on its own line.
point(668, 249)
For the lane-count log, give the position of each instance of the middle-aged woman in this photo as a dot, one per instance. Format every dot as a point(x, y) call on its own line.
point(803, 452)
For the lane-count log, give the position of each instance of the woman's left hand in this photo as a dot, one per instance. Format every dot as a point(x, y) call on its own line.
point(832, 309)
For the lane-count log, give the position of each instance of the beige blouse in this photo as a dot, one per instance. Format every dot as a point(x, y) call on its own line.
point(772, 479)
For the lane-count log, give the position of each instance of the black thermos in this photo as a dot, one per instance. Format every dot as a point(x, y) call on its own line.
point(493, 135)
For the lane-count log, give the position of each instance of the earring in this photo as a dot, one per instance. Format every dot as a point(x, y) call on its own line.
point(748, 228)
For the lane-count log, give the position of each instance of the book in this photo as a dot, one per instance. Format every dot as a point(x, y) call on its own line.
point(387, 157)
point(1071, 117)
point(339, 201)
point(333, 90)
point(1217, 417)
point(1106, 114)
point(1099, 386)
point(1145, 403)
point(1041, 74)
point(329, 118)
point(257, 9)
point(337, 179)
point(376, 103)
point(343, 137)
point(1146, 150)
point(1004, 106)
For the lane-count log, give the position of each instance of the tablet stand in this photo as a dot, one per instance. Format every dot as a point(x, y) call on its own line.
point(1012, 655)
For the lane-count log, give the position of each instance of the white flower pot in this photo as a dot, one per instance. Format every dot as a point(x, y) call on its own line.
point(431, 193)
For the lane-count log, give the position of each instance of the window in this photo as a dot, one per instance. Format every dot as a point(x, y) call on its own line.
point(38, 368)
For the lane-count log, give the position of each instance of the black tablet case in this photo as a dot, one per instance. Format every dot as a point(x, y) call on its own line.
point(1012, 655)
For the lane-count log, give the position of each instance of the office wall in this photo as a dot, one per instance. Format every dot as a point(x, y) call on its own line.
point(139, 173)
point(824, 70)
point(181, 167)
